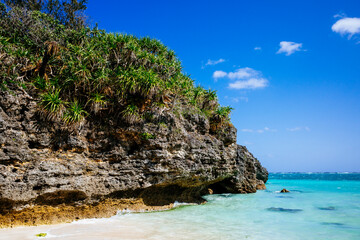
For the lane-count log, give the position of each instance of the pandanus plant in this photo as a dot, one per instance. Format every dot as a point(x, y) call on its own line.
point(221, 114)
point(105, 71)
point(210, 100)
point(149, 83)
point(198, 94)
point(74, 113)
point(51, 105)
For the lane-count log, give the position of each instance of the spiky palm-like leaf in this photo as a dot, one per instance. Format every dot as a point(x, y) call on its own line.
point(222, 113)
point(52, 107)
point(74, 113)
point(210, 100)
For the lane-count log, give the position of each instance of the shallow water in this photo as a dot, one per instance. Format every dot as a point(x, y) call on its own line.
point(319, 206)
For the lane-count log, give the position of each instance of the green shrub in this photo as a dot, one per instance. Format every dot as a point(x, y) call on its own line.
point(147, 136)
point(120, 76)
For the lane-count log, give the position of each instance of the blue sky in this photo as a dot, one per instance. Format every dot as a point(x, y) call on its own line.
point(291, 70)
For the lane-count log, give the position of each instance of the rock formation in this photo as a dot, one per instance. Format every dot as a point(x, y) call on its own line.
point(284, 190)
point(174, 156)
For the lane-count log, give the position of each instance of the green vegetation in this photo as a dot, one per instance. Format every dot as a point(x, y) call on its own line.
point(78, 72)
point(147, 136)
point(52, 105)
point(41, 235)
point(220, 117)
point(74, 113)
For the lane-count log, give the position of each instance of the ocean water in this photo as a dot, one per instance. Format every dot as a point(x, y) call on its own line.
point(319, 206)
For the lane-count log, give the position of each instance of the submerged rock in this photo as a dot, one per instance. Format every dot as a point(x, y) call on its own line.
point(284, 197)
point(333, 223)
point(330, 208)
point(289, 210)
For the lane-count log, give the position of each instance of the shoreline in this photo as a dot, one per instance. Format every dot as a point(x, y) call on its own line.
point(54, 215)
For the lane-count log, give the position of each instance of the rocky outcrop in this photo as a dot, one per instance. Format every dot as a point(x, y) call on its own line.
point(284, 190)
point(171, 156)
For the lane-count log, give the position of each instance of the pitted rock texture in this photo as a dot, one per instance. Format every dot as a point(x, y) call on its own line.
point(45, 163)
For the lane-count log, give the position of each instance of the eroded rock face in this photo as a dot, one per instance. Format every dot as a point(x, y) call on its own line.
point(41, 163)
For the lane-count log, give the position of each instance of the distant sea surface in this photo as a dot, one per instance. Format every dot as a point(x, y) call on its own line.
point(319, 206)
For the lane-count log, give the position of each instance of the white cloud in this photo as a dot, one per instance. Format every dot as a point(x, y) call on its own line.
point(269, 129)
point(289, 47)
point(251, 83)
point(257, 48)
point(245, 78)
point(295, 129)
point(247, 130)
point(214, 62)
point(243, 73)
point(219, 74)
point(347, 26)
point(265, 129)
point(238, 99)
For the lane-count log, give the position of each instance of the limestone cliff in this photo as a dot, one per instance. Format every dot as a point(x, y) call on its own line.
point(172, 156)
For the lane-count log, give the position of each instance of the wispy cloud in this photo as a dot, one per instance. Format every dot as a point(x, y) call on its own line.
point(295, 129)
point(262, 130)
point(289, 47)
point(257, 48)
point(269, 129)
point(347, 26)
point(340, 15)
point(247, 130)
point(213, 62)
point(245, 78)
point(238, 99)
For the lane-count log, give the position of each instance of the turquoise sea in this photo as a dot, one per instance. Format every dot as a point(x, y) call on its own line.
point(319, 206)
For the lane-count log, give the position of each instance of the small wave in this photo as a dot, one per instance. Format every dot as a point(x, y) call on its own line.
point(125, 211)
point(327, 176)
point(179, 204)
point(86, 221)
